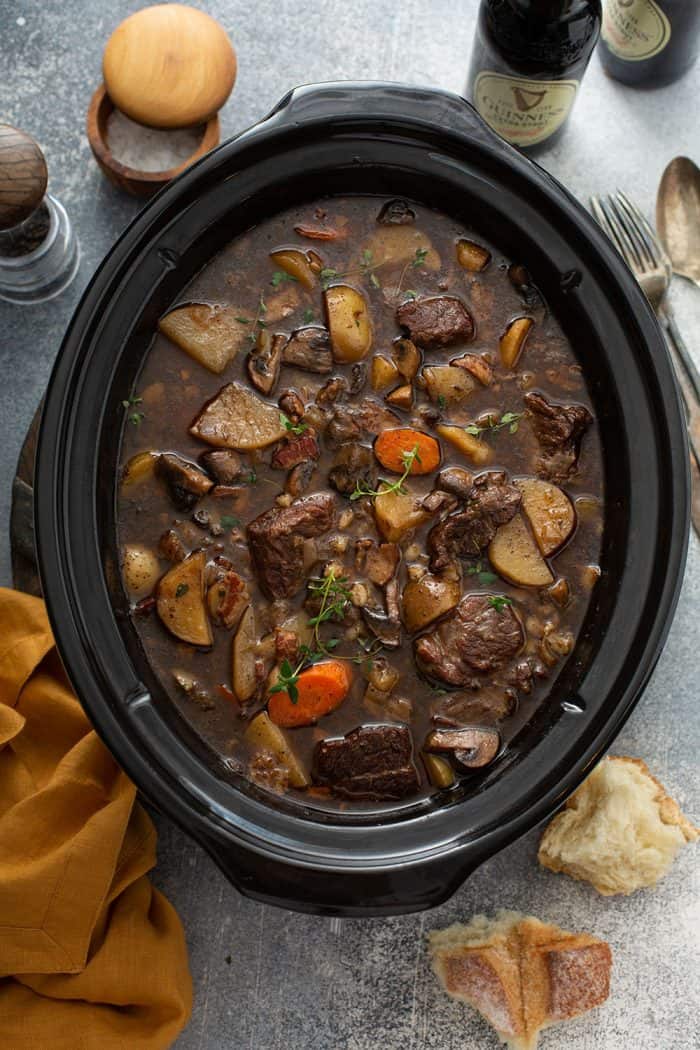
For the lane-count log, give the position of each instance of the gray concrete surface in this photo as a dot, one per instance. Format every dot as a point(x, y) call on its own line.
point(270, 979)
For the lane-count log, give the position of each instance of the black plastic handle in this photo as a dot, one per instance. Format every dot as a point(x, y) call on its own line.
point(332, 102)
point(351, 894)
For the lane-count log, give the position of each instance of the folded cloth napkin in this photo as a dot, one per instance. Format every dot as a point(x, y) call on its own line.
point(92, 957)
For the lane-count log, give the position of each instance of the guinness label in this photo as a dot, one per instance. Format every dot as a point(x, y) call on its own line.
point(635, 29)
point(523, 112)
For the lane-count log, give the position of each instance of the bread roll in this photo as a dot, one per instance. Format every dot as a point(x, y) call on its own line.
point(619, 831)
point(521, 974)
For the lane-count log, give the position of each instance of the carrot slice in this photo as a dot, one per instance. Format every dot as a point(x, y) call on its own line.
point(320, 233)
point(392, 446)
point(321, 689)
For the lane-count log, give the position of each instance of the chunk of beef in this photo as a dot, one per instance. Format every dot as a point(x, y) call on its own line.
point(276, 542)
point(294, 450)
point(477, 366)
point(223, 464)
point(360, 421)
point(396, 213)
point(371, 762)
point(486, 705)
point(491, 501)
point(378, 560)
point(186, 483)
point(309, 349)
point(353, 463)
point(437, 321)
point(171, 547)
point(331, 391)
point(386, 626)
point(559, 429)
point(480, 635)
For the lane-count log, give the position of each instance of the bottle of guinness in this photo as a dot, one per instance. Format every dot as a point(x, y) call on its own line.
point(649, 42)
point(528, 60)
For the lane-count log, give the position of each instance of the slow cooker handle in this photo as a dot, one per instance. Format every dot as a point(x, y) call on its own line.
point(323, 891)
point(345, 100)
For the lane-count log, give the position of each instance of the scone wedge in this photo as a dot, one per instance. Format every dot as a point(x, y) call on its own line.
point(521, 974)
point(619, 831)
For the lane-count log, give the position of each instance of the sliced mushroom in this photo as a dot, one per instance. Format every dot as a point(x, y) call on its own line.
point(521, 280)
point(388, 631)
point(473, 747)
point(186, 483)
point(264, 360)
point(407, 358)
point(309, 349)
point(396, 213)
point(223, 464)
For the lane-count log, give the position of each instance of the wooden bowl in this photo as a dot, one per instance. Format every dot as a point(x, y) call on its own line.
point(137, 183)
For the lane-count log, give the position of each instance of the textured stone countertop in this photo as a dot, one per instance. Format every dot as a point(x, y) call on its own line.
point(267, 979)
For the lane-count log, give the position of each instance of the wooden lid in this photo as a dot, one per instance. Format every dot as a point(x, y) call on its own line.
point(23, 176)
point(169, 66)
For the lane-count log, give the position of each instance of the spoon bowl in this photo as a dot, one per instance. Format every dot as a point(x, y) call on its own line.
point(678, 216)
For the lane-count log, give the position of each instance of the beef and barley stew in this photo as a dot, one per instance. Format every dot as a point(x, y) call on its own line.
point(361, 502)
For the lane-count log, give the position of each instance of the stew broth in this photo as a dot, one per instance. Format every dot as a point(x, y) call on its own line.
point(415, 541)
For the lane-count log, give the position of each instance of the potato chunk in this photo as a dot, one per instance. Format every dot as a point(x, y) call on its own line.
point(383, 372)
point(427, 599)
point(472, 256)
point(515, 556)
point(396, 513)
point(141, 569)
point(349, 323)
point(295, 263)
point(237, 418)
point(476, 451)
point(180, 601)
point(550, 513)
point(263, 735)
point(243, 657)
point(399, 246)
point(211, 335)
point(447, 383)
point(513, 341)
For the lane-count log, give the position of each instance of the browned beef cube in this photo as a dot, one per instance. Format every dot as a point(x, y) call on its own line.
point(437, 321)
point(482, 634)
point(491, 501)
point(276, 541)
point(373, 762)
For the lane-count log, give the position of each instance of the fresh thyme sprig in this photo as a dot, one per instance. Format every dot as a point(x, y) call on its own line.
point(482, 575)
point(508, 419)
point(293, 428)
point(499, 602)
point(408, 458)
point(133, 416)
point(334, 596)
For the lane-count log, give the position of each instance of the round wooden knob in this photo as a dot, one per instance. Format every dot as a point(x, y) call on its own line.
point(23, 176)
point(169, 66)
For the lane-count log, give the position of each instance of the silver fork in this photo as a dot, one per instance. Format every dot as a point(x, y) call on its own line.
point(643, 252)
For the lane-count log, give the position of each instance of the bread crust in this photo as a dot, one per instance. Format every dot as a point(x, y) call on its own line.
point(521, 974)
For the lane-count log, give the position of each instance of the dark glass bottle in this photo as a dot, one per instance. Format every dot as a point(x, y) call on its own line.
point(649, 42)
point(528, 60)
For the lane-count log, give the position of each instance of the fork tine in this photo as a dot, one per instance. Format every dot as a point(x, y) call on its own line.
point(612, 228)
point(651, 239)
point(627, 235)
point(633, 219)
point(633, 228)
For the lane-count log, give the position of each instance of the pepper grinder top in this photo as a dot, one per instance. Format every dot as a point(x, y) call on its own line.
point(38, 251)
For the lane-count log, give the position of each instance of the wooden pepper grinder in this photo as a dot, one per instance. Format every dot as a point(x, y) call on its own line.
point(38, 251)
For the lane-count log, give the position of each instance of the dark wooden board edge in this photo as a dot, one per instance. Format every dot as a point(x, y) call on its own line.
point(25, 572)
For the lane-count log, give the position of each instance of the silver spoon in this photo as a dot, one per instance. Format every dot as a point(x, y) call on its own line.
point(678, 216)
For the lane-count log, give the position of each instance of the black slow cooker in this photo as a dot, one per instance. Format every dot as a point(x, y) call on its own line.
point(396, 141)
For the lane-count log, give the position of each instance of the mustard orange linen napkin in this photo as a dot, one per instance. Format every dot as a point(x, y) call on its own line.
point(91, 956)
